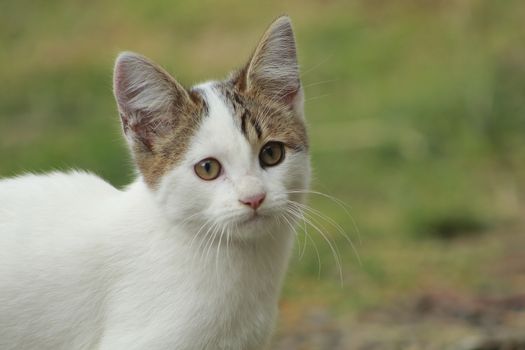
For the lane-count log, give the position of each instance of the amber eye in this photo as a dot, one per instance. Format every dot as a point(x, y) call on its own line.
point(208, 169)
point(271, 154)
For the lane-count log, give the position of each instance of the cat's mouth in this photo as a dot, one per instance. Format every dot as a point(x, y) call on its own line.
point(255, 220)
point(254, 217)
point(252, 222)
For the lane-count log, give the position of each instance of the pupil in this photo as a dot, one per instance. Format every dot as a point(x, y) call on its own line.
point(207, 166)
point(269, 151)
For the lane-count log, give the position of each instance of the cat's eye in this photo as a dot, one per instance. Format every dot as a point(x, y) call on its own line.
point(271, 154)
point(208, 169)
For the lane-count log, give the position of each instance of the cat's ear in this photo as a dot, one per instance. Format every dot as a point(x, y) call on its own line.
point(273, 69)
point(148, 99)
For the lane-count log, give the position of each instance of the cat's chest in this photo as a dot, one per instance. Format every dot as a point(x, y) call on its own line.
point(238, 316)
point(217, 301)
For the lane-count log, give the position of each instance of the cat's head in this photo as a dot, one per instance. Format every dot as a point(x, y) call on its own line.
point(229, 153)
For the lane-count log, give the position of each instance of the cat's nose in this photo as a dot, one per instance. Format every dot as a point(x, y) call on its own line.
point(254, 201)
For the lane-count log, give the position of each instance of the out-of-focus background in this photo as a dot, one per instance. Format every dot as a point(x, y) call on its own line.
point(416, 111)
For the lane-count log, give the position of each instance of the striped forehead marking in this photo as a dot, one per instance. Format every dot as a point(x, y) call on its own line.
point(241, 112)
point(258, 119)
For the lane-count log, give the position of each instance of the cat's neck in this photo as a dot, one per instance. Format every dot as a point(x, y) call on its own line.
point(165, 255)
point(271, 250)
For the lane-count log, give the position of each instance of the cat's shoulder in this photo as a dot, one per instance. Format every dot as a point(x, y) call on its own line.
point(74, 181)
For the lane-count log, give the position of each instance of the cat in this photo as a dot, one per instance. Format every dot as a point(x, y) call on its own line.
point(192, 254)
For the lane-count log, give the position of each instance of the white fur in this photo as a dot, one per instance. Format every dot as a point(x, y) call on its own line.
point(86, 266)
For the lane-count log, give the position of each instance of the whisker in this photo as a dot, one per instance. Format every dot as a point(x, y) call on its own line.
point(345, 207)
point(199, 231)
point(292, 226)
point(190, 217)
point(211, 240)
point(313, 220)
point(310, 99)
point(301, 253)
point(218, 252)
point(317, 65)
point(307, 236)
point(228, 245)
point(303, 250)
point(321, 82)
point(314, 213)
point(204, 242)
point(335, 199)
point(299, 214)
point(316, 253)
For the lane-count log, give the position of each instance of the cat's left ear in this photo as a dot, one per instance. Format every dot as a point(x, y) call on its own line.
point(273, 70)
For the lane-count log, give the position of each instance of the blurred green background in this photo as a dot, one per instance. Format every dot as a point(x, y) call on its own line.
point(416, 113)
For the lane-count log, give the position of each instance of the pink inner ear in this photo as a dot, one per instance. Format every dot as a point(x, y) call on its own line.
point(289, 98)
point(145, 94)
point(125, 122)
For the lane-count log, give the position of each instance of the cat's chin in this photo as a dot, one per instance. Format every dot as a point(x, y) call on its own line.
point(254, 220)
point(254, 225)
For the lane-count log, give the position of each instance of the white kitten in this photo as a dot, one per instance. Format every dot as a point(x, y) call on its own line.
point(189, 256)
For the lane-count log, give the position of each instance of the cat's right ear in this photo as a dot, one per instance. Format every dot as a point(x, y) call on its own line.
point(148, 99)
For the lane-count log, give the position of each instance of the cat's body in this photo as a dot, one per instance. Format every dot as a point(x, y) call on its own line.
point(187, 256)
point(123, 279)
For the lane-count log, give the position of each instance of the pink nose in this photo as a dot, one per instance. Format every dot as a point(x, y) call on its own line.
point(254, 201)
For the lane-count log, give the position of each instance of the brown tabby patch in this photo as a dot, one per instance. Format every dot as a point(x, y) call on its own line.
point(262, 119)
point(168, 149)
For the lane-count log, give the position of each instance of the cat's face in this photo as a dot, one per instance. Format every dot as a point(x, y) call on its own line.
point(238, 175)
point(226, 155)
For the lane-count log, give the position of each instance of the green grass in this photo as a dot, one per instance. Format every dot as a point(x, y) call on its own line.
point(416, 113)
